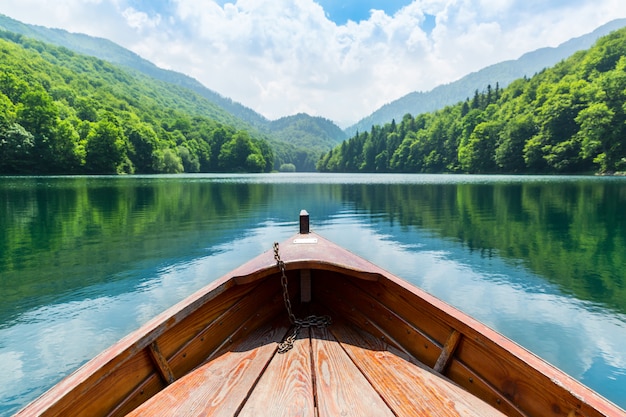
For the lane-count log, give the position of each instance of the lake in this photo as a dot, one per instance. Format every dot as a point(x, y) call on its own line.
point(86, 260)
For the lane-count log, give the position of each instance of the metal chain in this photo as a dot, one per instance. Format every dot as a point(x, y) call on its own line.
point(310, 321)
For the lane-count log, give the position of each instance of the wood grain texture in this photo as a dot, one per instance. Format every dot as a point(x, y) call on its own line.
point(189, 326)
point(362, 303)
point(447, 352)
point(533, 392)
point(161, 363)
point(219, 387)
point(348, 300)
point(409, 389)
point(143, 392)
point(341, 388)
point(211, 343)
point(104, 394)
point(286, 387)
point(262, 303)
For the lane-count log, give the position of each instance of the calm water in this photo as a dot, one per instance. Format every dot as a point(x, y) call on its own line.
point(86, 260)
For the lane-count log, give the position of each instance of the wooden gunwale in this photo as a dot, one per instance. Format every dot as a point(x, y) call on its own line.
point(415, 326)
point(419, 345)
point(519, 380)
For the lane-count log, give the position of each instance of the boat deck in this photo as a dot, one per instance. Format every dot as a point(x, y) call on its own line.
point(334, 371)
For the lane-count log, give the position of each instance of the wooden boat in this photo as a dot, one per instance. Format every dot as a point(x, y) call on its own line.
point(391, 350)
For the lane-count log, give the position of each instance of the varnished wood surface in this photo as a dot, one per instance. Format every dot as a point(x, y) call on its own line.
point(284, 389)
point(219, 387)
point(334, 371)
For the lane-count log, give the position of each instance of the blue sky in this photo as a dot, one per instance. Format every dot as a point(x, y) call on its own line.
point(338, 59)
point(357, 10)
point(341, 12)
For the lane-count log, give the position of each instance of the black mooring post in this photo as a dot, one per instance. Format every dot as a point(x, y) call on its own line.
point(304, 222)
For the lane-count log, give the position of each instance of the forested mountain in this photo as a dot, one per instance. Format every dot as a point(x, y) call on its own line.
point(567, 119)
point(292, 145)
point(112, 52)
point(61, 112)
point(305, 138)
point(502, 73)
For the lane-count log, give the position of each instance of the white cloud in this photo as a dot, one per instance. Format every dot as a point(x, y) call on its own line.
point(140, 20)
point(286, 56)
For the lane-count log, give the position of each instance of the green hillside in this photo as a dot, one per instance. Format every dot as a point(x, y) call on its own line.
point(503, 73)
point(304, 138)
point(61, 112)
point(567, 119)
point(113, 53)
point(292, 145)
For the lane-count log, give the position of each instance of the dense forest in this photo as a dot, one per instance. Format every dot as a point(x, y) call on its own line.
point(505, 72)
point(62, 112)
point(296, 141)
point(566, 119)
point(303, 139)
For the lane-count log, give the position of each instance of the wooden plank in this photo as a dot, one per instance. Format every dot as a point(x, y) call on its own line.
point(320, 255)
point(266, 301)
point(362, 304)
point(286, 387)
point(148, 388)
point(102, 396)
point(161, 363)
point(465, 377)
point(174, 339)
point(533, 392)
point(447, 352)
point(219, 387)
point(221, 330)
point(100, 385)
point(409, 389)
point(341, 388)
point(347, 299)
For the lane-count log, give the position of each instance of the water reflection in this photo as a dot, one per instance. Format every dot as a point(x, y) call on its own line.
point(92, 258)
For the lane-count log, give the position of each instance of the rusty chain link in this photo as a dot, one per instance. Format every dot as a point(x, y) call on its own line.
point(310, 321)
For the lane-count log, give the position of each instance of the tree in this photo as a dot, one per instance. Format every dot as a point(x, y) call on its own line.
point(189, 160)
point(509, 153)
point(240, 154)
point(268, 156)
point(255, 162)
point(595, 134)
point(37, 114)
point(69, 154)
point(172, 163)
point(16, 147)
point(478, 154)
point(61, 103)
point(287, 168)
point(143, 144)
point(105, 147)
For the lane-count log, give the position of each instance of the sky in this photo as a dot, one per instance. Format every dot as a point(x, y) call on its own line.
point(341, 60)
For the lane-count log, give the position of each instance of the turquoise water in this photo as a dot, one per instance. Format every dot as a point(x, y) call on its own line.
point(86, 260)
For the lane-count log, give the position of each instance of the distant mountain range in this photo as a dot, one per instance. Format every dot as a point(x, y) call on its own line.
point(503, 73)
point(292, 143)
point(303, 137)
point(112, 52)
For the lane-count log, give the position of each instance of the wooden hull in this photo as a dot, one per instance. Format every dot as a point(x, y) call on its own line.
point(392, 349)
